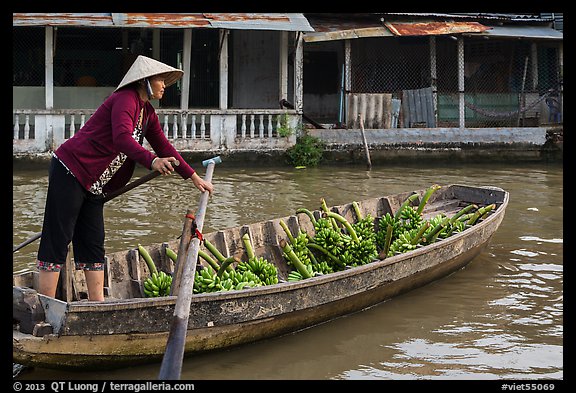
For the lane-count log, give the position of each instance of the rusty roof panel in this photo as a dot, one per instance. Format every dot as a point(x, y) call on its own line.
point(62, 19)
point(434, 28)
point(249, 21)
point(165, 20)
point(328, 29)
point(347, 34)
point(536, 32)
point(272, 21)
point(237, 17)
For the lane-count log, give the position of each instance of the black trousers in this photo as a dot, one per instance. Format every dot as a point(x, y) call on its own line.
point(72, 214)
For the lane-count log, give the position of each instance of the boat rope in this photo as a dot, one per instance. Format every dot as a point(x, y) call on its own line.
point(196, 232)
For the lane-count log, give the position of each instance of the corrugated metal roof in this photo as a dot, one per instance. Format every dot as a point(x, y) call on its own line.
point(244, 21)
point(434, 28)
point(509, 17)
point(540, 32)
point(557, 19)
point(337, 29)
point(488, 16)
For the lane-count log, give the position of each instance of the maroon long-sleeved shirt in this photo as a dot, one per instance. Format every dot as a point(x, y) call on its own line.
point(108, 132)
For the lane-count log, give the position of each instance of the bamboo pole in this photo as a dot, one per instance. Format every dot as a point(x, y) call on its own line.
point(368, 161)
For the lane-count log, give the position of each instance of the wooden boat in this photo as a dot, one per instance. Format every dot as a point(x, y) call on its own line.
point(128, 328)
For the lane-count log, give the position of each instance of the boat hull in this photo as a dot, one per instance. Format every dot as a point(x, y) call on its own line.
point(128, 331)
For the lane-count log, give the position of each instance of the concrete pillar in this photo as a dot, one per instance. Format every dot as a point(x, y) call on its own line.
point(223, 57)
point(186, 54)
point(49, 66)
point(49, 132)
point(460, 60)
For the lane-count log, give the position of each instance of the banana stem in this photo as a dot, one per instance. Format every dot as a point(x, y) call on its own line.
point(170, 253)
point(288, 233)
point(327, 210)
point(346, 224)
point(294, 259)
point(248, 246)
point(327, 253)
point(225, 264)
point(420, 233)
point(466, 217)
point(308, 213)
point(479, 213)
point(147, 259)
point(214, 251)
point(462, 211)
point(213, 264)
point(408, 201)
point(357, 210)
point(388, 242)
point(312, 257)
point(427, 196)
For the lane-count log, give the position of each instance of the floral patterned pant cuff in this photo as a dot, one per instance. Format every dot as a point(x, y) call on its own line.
point(56, 267)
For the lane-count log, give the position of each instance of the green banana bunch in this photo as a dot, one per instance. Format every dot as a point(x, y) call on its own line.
point(365, 228)
point(402, 244)
point(362, 252)
point(383, 224)
point(435, 223)
point(455, 227)
point(253, 273)
point(322, 268)
point(158, 284)
point(328, 238)
point(410, 218)
point(266, 272)
point(298, 244)
point(300, 248)
point(295, 275)
point(335, 245)
point(206, 280)
point(248, 277)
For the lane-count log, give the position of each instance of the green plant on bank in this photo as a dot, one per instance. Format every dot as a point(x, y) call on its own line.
point(284, 129)
point(307, 151)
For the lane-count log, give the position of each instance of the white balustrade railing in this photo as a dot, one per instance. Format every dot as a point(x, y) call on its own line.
point(237, 126)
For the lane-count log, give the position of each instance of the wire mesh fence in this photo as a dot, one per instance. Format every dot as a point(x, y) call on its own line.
point(502, 82)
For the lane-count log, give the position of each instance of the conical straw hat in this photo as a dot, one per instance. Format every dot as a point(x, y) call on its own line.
point(145, 67)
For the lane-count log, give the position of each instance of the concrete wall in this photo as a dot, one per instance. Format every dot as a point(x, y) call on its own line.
point(415, 136)
point(442, 144)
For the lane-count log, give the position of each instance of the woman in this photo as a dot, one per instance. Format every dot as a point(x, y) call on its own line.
point(98, 159)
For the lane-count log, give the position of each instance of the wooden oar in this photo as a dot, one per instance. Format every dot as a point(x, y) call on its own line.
point(144, 179)
point(174, 354)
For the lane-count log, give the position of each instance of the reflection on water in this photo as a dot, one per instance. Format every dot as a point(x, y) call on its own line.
point(499, 318)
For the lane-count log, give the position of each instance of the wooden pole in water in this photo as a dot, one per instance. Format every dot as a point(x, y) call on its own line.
point(368, 162)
